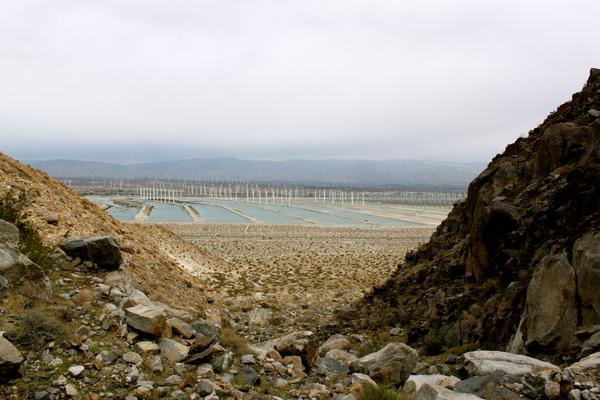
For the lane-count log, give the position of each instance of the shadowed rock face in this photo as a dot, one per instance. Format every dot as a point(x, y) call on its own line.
point(102, 250)
point(525, 239)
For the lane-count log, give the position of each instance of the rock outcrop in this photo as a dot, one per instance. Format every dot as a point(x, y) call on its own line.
point(518, 262)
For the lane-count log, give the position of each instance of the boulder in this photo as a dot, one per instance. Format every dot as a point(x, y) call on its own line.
point(16, 268)
point(586, 369)
point(10, 360)
point(173, 351)
point(335, 342)
point(392, 364)
point(485, 362)
point(182, 328)
point(489, 386)
point(9, 234)
point(302, 343)
point(586, 262)
point(101, 250)
point(550, 317)
point(136, 297)
point(330, 367)
point(414, 382)
point(434, 392)
point(146, 318)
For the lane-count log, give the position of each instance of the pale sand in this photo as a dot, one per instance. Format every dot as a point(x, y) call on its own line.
point(302, 273)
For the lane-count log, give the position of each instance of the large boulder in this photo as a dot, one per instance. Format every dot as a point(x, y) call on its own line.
point(147, 318)
point(392, 364)
point(550, 317)
point(485, 362)
point(9, 233)
point(586, 262)
point(414, 382)
point(16, 268)
point(10, 360)
point(101, 250)
point(434, 392)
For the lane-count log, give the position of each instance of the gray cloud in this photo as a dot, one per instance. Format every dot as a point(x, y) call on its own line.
point(146, 79)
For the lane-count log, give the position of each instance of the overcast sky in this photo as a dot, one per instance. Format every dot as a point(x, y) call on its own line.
point(141, 80)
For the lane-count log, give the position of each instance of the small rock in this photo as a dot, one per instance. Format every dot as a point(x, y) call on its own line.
point(76, 370)
point(205, 371)
point(155, 363)
point(395, 332)
point(319, 392)
point(204, 387)
point(335, 342)
point(248, 359)
point(147, 318)
point(70, 390)
point(552, 389)
point(247, 377)
point(414, 382)
point(594, 113)
point(172, 350)
point(147, 347)
point(574, 394)
point(132, 358)
point(180, 327)
point(174, 380)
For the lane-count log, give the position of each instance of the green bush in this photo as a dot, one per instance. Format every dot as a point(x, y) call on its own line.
point(378, 393)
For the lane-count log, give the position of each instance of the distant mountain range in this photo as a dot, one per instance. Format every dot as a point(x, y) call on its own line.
point(360, 172)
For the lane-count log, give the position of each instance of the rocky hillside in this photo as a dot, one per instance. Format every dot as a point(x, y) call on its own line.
point(517, 264)
point(152, 254)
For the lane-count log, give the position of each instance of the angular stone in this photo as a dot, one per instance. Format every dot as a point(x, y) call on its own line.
point(76, 370)
point(136, 297)
point(392, 364)
point(101, 250)
point(204, 387)
point(247, 376)
point(414, 382)
point(485, 362)
point(180, 327)
point(206, 355)
point(173, 351)
point(331, 367)
point(434, 392)
point(301, 344)
point(9, 233)
point(342, 356)
point(10, 360)
point(146, 318)
point(362, 380)
point(586, 369)
point(147, 346)
point(335, 342)
point(132, 357)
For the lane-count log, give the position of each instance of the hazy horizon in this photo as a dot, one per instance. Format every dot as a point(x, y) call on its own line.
point(133, 81)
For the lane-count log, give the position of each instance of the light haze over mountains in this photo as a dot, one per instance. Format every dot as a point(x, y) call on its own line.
point(410, 173)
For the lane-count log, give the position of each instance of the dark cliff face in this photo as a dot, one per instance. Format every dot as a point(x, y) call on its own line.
point(510, 255)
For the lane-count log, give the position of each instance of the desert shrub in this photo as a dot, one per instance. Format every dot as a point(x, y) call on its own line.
point(380, 392)
point(12, 207)
point(35, 326)
point(433, 346)
point(231, 340)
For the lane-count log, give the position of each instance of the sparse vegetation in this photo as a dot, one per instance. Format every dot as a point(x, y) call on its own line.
point(12, 209)
point(378, 393)
point(230, 339)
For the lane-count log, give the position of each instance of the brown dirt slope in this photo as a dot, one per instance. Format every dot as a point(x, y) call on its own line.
point(529, 208)
point(154, 254)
